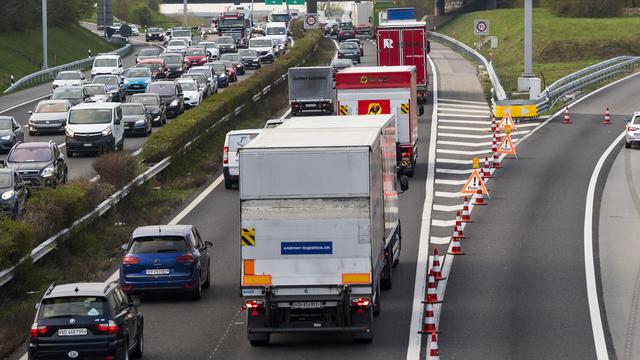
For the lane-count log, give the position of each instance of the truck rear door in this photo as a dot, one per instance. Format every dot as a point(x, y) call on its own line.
point(389, 47)
point(414, 52)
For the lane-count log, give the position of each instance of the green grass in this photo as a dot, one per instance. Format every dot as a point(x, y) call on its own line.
point(21, 53)
point(560, 45)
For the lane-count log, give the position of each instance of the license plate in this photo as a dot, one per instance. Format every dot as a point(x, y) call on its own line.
point(72, 332)
point(306, 305)
point(157, 271)
point(87, 145)
point(310, 105)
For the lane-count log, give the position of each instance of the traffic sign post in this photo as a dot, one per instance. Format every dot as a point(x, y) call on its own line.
point(481, 27)
point(311, 21)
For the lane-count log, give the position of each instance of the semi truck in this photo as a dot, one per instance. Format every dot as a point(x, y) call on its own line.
point(311, 90)
point(405, 43)
point(362, 17)
point(384, 90)
point(234, 24)
point(320, 228)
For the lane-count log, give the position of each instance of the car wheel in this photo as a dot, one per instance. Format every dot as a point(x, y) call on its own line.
point(207, 283)
point(65, 176)
point(227, 183)
point(627, 145)
point(197, 293)
point(138, 351)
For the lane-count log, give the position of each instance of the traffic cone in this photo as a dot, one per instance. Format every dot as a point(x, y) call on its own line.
point(607, 118)
point(479, 198)
point(456, 247)
point(429, 322)
point(466, 215)
point(432, 290)
point(457, 232)
point(567, 118)
point(486, 173)
point(494, 125)
point(434, 351)
point(437, 270)
point(496, 158)
point(458, 219)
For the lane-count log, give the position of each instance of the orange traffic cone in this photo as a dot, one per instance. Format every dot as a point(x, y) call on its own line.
point(437, 270)
point(432, 290)
point(607, 118)
point(429, 322)
point(434, 351)
point(486, 173)
point(494, 126)
point(479, 198)
point(457, 232)
point(456, 248)
point(567, 118)
point(466, 215)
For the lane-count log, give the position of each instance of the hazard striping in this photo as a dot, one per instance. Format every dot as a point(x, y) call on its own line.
point(463, 152)
point(248, 237)
point(443, 223)
point(469, 136)
point(344, 110)
point(483, 111)
point(447, 194)
point(461, 102)
point(453, 171)
point(466, 115)
point(447, 208)
point(404, 108)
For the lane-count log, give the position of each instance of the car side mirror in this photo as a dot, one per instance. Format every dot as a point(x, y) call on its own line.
point(124, 246)
point(37, 306)
point(208, 244)
point(627, 119)
point(117, 122)
point(30, 112)
point(135, 301)
point(404, 182)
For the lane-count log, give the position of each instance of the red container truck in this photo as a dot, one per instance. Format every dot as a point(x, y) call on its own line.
point(405, 43)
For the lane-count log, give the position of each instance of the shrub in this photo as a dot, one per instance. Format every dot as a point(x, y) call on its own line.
point(117, 168)
point(585, 8)
point(16, 241)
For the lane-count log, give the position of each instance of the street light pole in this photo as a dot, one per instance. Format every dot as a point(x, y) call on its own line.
point(104, 17)
point(528, 38)
point(184, 10)
point(45, 51)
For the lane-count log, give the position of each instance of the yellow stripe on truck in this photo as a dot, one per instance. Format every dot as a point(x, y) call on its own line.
point(256, 280)
point(356, 278)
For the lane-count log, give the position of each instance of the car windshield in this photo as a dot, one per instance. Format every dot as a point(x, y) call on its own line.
point(346, 26)
point(105, 63)
point(348, 45)
point(636, 120)
point(95, 90)
point(90, 116)
point(176, 43)
point(189, 86)
point(106, 80)
point(231, 57)
point(219, 68)
point(162, 88)
point(231, 22)
point(6, 180)
point(48, 107)
point(145, 99)
point(152, 30)
point(260, 43)
point(149, 52)
point(138, 73)
point(341, 63)
point(68, 76)
point(30, 154)
point(5, 124)
point(195, 52)
point(132, 109)
point(158, 244)
point(204, 72)
point(208, 45)
point(74, 306)
point(276, 31)
point(182, 33)
point(225, 40)
point(67, 93)
point(239, 140)
point(199, 78)
point(248, 52)
point(150, 66)
point(172, 59)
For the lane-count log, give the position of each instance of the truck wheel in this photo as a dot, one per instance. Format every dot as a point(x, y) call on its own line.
point(259, 339)
point(227, 183)
point(385, 277)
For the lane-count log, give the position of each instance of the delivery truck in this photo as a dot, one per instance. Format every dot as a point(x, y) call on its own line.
point(401, 14)
point(320, 228)
point(405, 43)
point(362, 17)
point(311, 90)
point(380, 13)
point(384, 90)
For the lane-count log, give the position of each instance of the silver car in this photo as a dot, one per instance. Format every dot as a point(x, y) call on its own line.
point(632, 133)
point(48, 115)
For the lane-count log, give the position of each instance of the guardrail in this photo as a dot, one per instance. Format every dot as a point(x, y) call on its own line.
point(50, 74)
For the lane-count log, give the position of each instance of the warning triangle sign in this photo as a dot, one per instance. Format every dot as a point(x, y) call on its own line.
point(507, 120)
point(506, 146)
point(474, 184)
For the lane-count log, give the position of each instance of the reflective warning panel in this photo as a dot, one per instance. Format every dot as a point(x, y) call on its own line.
point(344, 110)
point(248, 237)
point(518, 111)
point(404, 108)
point(374, 107)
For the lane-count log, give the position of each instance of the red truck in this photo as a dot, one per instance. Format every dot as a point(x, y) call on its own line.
point(234, 24)
point(405, 43)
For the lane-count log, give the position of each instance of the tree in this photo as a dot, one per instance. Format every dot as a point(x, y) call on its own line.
point(585, 8)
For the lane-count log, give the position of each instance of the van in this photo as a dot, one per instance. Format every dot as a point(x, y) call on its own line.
point(107, 64)
point(279, 33)
point(94, 128)
point(233, 141)
point(182, 34)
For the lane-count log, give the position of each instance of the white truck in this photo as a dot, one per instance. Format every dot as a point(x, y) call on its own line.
point(311, 90)
point(320, 227)
point(362, 17)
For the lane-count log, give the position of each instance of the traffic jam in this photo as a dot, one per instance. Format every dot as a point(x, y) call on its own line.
point(351, 140)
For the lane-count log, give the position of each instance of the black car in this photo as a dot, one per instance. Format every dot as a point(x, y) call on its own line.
point(250, 58)
point(87, 321)
point(114, 86)
point(175, 64)
point(41, 164)
point(153, 105)
point(154, 33)
point(13, 192)
point(349, 50)
point(346, 31)
point(10, 132)
point(137, 121)
point(357, 41)
point(226, 44)
point(171, 95)
point(75, 94)
point(236, 62)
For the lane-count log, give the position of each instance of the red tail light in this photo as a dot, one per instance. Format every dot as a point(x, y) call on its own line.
point(406, 152)
point(353, 33)
point(108, 328)
point(130, 260)
point(38, 330)
point(253, 304)
point(225, 155)
point(362, 302)
point(324, 105)
point(295, 105)
point(631, 128)
point(341, 32)
point(186, 258)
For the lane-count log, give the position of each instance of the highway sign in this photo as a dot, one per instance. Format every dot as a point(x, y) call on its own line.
point(518, 111)
point(481, 27)
point(311, 21)
point(295, 2)
point(273, 2)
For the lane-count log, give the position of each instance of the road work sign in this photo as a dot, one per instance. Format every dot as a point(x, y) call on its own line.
point(474, 183)
point(519, 111)
point(507, 146)
point(507, 121)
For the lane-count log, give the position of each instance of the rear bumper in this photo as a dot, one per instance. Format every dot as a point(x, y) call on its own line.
point(89, 350)
point(233, 178)
point(157, 285)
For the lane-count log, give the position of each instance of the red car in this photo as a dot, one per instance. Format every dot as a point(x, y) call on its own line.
point(158, 67)
point(231, 71)
point(195, 56)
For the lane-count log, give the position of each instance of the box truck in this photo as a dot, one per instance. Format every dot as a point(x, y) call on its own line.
point(380, 13)
point(320, 228)
point(405, 43)
point(384, 90)
point(362, 17)
point(311, 90)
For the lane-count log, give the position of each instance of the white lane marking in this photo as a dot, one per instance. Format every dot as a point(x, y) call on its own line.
point(415, 339)
point(589, 264)
point(450, 182)
point(462, 143)
point(443, 223)
point(473, 111)
point(196, 201)
point(440, 240)
point(453, 171)
point(62, 145)
point(24, 103)
point(136, 153)
point(449, 195)
point(464, 128)
point(489, 136)
point(463, 102)
point(286, 113)
point(447, 208)
point(224, 335)
point(463, 152)
point(460, 107)
point(465, 115)
point(456, 161)
point(476, 122)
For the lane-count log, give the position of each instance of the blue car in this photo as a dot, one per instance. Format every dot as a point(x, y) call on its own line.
point(166, 258)
point(136, 80)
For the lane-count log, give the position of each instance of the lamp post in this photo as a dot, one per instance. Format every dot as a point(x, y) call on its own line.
point(184, 10)
point(45, 60)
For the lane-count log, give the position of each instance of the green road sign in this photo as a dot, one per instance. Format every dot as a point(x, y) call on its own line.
point(273, 2)
point(295, 2)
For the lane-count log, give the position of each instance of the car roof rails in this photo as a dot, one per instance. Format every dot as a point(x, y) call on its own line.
point(50, 288)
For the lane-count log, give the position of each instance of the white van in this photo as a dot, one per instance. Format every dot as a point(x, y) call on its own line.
point(265, 47)
point(107, 64)
point(182, 34)
point(278, 32)
point(94, 128)
point(235, 140)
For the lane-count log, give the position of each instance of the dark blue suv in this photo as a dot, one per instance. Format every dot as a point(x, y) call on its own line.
point(166, 258)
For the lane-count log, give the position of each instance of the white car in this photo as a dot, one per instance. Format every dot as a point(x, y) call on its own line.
point(632, 133)
point(69, 78)
point(278, 32)
point(212, 49)
point(177, 46)
point(134, 30)
point(96, 93)
point(191, 91)
point(107, 64)
point(233, 141)
point(265, 48)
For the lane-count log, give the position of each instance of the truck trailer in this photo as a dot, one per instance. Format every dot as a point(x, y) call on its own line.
point(362, 17)
point(320, 228)
point(311, 90)
point(384, 90)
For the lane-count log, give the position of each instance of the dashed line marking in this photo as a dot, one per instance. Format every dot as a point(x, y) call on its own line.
point(450, 182)
point(447, 194)
point(462, 152)
point(476, 122)
point(443, 223)
point(464, 115)
point(226, 332)
point(447, 208)
point(440, 240)
point(453, 171)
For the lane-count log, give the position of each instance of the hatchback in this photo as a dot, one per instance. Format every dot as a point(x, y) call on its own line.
point(234, 140)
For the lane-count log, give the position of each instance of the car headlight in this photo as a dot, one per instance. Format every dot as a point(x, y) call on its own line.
point(6, 137)
point(94, 71)
point(126, 81)
point(69, 132)
point(114, 71)
point(8, 194)
point(106, 132)
point(140, 122)
point(147, 81)
point(48, 172)
point(256, 59)
point(174, 103)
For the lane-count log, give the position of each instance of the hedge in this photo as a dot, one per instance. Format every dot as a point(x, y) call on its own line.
point(16, 241)
point(185, 127)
